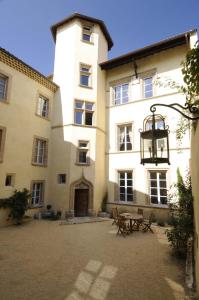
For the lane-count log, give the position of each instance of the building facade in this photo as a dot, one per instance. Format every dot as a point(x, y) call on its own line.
point(73, 140)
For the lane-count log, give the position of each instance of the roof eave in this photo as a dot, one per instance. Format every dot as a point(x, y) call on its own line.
point(147, 51)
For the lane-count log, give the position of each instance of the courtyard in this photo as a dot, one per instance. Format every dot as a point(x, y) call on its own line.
point(46, 260)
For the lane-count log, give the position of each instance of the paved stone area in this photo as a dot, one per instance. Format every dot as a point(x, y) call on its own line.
point(43, 260)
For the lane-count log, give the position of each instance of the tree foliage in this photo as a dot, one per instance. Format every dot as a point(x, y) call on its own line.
point(190, 71)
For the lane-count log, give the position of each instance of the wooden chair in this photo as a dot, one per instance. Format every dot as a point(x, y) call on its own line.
point(115, 215)
point(147, 224)
point(123, 226)
point(140, 211)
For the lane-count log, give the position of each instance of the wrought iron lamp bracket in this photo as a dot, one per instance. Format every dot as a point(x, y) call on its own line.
point(191, 108)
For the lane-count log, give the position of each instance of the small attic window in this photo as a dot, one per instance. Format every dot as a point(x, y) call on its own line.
point(87, 33)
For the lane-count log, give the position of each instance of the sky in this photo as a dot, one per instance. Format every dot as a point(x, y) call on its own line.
point(25, 24)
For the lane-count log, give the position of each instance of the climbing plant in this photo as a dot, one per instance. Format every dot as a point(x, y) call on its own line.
point(181, 210)
point(17, 204)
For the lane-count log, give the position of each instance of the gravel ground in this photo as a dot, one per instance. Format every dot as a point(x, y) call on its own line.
point(43, 260)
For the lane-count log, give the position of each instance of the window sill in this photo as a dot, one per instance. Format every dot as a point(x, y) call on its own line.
point(85, 86)
point(4, 101)
point(41, 117)
point(82, 164)
point(87, 42)
point(39, 165)
point(82, 125)
point(35, 207)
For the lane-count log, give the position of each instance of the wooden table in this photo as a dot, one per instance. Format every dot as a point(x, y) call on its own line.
point(135, 220)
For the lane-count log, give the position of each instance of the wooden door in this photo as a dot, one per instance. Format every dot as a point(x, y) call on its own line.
point(81, 202)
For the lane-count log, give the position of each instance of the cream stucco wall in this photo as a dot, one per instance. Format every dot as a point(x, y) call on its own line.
point(165, 65)
point(195, 190)
point(18, 116)
point(65, 134)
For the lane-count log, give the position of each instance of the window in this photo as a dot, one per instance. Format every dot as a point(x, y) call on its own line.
point(3, 87)
point(125, 137)
point(121, 94)
point(37, 194)
point(9, 180)
point(126, 186)
point(87, 33)
point(148, 87)
point(2, 141)
point(85, 75)
point(84, 112)
point(43, 107)
point(158, 187)
point(40, 151)
point(61, 178)
point(82, 153)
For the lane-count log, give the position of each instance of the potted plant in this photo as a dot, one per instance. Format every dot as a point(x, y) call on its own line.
point(103, 213)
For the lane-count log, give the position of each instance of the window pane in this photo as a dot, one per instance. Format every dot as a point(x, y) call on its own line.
point(84, 80)
point(163, 200)
point(86, 37)
point(163, 192)
point(78, 117)
point(163, 175)
point(88, 118)
point(129, 197)
point(3, 81)
point(89, 106)
point(122, 175)
point(129, 175)
point(163, 184)
point(122, 182)
point(153, 175)
point(78, 104)
point(122, 190)
point(82, 156)
point(129, 190)
point(154, 199)
point(154, 192)
point(83, 144)
point(122, 197)
point(153, 183)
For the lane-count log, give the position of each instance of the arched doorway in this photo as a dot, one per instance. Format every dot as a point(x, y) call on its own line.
point(81, 197)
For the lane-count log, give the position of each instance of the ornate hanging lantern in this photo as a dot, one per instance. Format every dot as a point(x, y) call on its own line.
point(154, 141)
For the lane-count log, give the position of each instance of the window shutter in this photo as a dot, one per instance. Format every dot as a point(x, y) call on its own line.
point(34, 151)
point(113, 95)
point(45, 153)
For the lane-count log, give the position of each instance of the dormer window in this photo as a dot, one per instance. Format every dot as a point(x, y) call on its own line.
point(87, 33)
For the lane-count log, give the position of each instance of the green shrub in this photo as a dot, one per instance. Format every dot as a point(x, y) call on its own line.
point(161, 222)
point(17, 204)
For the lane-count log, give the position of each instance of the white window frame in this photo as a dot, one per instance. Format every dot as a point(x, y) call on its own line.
point(37, 192)
point(144, 86)
point(84, 110)
point(4, 87)
point(126, 186)
point(85, 70)
point(43, 107)
point(87, 30)
point(158, 186)
point(59, 178)
point(125, 142)
point(40, 151)
point(120, 100)
point(12, 180)
point(2, 142)
point(83, 149)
